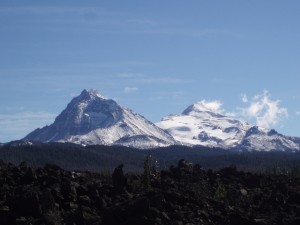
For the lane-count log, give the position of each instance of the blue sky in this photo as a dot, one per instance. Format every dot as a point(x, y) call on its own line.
point(155, 57)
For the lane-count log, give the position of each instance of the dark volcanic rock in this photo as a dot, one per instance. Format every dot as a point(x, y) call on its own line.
point(182, 195)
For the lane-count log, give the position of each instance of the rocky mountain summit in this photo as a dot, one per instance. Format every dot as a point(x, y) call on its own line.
point(201, 125)
point(183, 194)
point(91, 119)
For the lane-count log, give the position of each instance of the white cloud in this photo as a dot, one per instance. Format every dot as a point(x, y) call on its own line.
point(244, 98)
point(214, 106)
point(17, 125)
point(128, 90)
point(263, 110)
point(298, 113)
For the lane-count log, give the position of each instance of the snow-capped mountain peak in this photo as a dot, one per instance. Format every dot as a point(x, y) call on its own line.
point(92, 93)
point(204, 124)
point(203, 106)
point(91, 118)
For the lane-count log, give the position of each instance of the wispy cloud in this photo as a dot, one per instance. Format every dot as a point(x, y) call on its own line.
point(17, 125)
point(65, 18)
point(192, 32)
point(244, 98)
point(217, 80)
point(263, 110)
point(146, 79)
point(298, 113)
point(128, 90)
point(76, 69)
point(102, 20)
point(131, 75)
point(170, 95)
point(162, 80)
point(58, 11)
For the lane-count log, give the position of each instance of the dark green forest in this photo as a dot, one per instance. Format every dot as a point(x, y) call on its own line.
point(106, 158)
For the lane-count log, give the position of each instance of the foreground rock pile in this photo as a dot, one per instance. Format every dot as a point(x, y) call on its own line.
point(182, 195)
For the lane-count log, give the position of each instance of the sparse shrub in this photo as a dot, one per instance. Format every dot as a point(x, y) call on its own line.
point(106, 172)
point(221, 192)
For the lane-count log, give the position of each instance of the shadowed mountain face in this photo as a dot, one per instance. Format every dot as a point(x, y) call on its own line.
point(199, 125)
point(93, 119)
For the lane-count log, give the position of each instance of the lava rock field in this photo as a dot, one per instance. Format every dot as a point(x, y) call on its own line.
point(184, 194)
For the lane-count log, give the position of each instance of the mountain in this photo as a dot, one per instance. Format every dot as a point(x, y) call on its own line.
point(262, 139)
point(91, 119)
point(201, 125)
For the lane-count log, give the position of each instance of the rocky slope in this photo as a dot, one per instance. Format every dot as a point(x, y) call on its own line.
point(185, 194)
point(200, 125)
point(91, 119)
